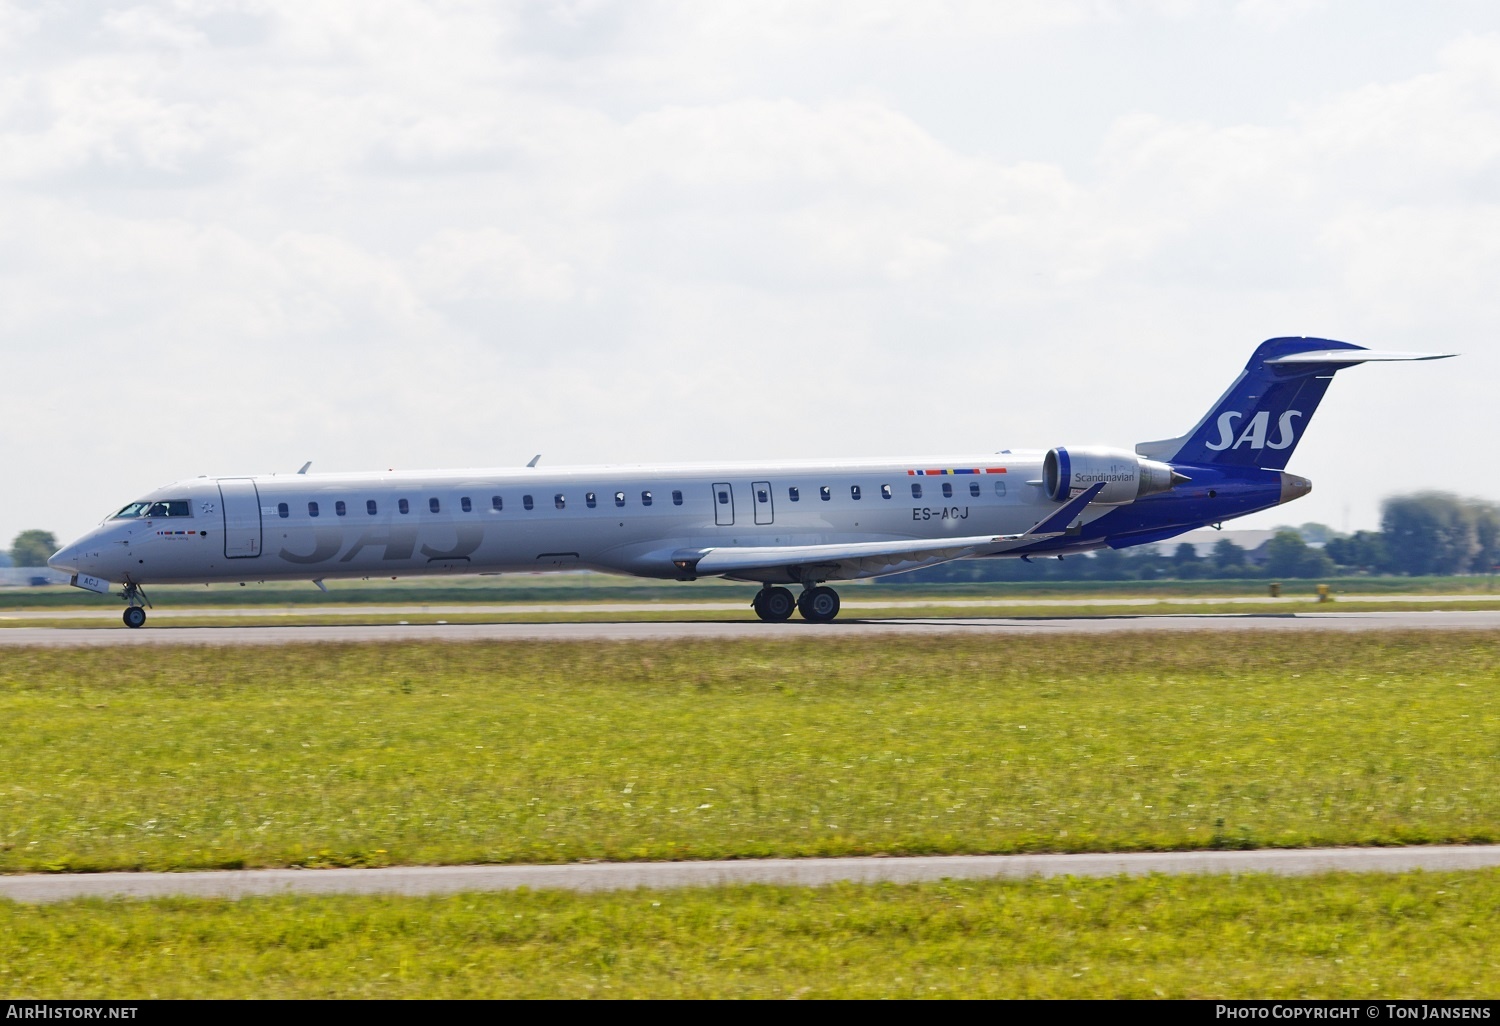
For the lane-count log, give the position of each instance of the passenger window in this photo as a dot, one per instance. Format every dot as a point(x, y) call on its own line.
point(947, 489)
point(465, 505)
point(825, 493)
point(1000, 488)
point(645, 498)
point(432, 504)
point(676, 497)
point(885, 491)
point(974, 489)
point(403, 506)
point(526, 501)
point(496, 503)
point(916, 489)
point(339, 508)
point(619, 498)
point(312, 509)
point(591, 500)
point(854, 492)
point(793, 494)
point(560, 501)
point(370, 507)
point(283, 510)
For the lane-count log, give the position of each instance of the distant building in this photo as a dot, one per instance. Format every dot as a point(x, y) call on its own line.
point(26, 576)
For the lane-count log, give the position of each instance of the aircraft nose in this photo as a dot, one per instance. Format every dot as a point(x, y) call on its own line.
point(65, 558)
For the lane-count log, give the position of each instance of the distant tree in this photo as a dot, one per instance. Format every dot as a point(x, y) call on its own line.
point(1287, 555)
point(1487, 534)
point(1186, 564)
point(1228, 558)
point(1110, 565)
point(1429, 533)
point(1363, 551)
point(1315, 533)
point(31, 548)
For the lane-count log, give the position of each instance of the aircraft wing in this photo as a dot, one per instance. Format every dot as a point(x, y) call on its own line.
point(869, 559)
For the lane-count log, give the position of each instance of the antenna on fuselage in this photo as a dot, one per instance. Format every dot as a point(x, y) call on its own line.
point(304, 467)
point(535, 460)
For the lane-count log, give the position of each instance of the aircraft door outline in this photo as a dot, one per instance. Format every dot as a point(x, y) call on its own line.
point(723, 496)
point(240, 501)
point(765, 506)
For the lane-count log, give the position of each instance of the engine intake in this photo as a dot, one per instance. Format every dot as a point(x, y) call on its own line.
point(1126, 476)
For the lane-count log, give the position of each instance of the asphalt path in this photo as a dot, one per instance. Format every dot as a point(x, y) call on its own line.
point(615, 876)
point(685, 630)
point(111, 612)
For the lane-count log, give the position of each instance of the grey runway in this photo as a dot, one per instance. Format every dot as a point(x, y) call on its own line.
point(852, 607)
point(687, 630)
point(426, 880)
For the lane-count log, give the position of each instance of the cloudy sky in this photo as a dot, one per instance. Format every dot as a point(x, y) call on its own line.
point(235, 236)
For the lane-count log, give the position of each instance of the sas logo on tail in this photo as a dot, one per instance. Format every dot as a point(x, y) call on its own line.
point(1254, 433)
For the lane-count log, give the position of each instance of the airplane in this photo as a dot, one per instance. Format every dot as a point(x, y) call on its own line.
point(802, 523)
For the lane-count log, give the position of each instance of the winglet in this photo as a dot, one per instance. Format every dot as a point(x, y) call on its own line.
point(535, 460)
point(304, 467)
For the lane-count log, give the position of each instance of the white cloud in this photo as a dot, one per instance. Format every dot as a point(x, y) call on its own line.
point(236, 236)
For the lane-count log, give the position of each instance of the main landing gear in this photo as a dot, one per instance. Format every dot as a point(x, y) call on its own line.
point(135, 613)
point(819, 604)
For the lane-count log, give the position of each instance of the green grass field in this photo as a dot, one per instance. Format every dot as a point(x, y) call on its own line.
point(547, 752)
point(1338, 936)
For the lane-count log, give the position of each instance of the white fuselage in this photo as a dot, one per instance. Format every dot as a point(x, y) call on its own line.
point(624, 519)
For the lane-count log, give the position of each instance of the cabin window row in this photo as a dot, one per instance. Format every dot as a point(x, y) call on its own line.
point(825, 492)
point(466, 504)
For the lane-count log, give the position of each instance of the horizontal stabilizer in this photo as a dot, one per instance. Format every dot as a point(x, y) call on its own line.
point(1352, 356)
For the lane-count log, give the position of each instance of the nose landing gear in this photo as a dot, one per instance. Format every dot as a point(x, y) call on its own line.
point(135, 613)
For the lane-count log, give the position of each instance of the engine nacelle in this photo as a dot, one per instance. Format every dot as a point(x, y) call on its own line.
point(1126, 476)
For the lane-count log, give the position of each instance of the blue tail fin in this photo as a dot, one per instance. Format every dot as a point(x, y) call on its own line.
point(1259, 421)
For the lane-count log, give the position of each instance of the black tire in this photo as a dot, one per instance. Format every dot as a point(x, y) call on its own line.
point(134, 616)
point(819, 605)
point(775, 605)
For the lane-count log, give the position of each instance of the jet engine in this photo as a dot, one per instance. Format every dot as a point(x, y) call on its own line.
point(1126, 476)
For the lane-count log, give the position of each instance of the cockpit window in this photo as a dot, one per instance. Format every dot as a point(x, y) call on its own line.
point(159, 508)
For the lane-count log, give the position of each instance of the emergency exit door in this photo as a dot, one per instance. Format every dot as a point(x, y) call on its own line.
point(724, 505)
point(765, 511)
